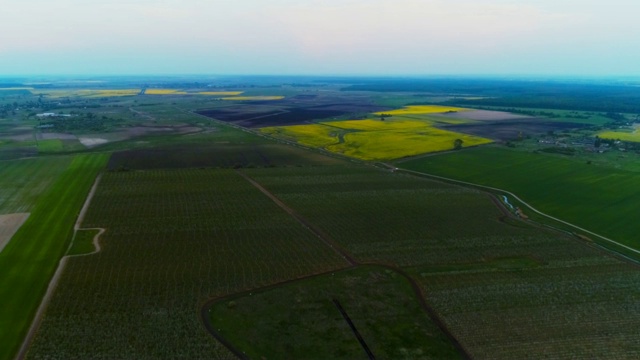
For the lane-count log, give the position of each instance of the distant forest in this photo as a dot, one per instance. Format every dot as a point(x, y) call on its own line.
point(603, 96)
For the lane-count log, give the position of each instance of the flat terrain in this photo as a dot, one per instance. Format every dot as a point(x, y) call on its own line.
point(597, 197)
point(9, 224)
point(31, 257)
point(301, 319)
point(22, 182)
point(250, 217)
point(174, 239)
point(408, 131)
point(485, 274)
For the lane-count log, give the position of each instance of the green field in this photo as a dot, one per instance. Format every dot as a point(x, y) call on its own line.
point(31, 257)
point(301, 320)
point(598, 198)
point(219, 240)
point(504, 289)
point(22, 182)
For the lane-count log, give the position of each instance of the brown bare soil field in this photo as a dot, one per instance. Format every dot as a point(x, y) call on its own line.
point(9, 224)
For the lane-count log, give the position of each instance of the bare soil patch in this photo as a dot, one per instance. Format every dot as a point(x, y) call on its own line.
point(9, 225)
point(511, 129)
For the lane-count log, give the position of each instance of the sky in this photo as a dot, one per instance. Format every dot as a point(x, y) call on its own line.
point(314, 37)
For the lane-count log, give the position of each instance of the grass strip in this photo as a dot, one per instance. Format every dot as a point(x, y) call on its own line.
point(30, 259)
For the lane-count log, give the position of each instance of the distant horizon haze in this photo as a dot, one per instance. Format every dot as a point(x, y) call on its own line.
point(320, 38)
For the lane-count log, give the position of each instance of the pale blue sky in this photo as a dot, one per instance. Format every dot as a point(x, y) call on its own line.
point(385, 37)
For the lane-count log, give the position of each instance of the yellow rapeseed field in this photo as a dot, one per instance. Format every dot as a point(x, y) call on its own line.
point(422, 109)
point(164, 92)
point(315, 135)
point(253, 98)
point(624, 136)
point(221, 93)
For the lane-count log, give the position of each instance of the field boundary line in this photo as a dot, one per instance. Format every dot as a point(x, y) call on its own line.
point(418, 292)
point(396, 169)
point(53, 283)
point(304, 222)
point(206, 307)
point(354, 329)
point(96, 242)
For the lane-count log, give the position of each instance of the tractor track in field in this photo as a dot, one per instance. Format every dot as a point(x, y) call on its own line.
point(314, 229)
point(53, 283)
point(419, 292)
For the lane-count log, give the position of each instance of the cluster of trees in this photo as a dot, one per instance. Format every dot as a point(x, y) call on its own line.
point(79, 122)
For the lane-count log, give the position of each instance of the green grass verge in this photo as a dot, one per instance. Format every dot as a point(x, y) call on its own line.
point(22, 182)
point(30, 259)
point(83, 242)
point(301, 320)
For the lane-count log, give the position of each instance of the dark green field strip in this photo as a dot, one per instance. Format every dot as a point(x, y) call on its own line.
point(23, 181)
point(29, 260)
point(174, 239)
point(601, 199)
point(299, 320)
point(584, 309)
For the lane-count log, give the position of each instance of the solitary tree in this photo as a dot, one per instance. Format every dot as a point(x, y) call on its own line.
point(457, 144)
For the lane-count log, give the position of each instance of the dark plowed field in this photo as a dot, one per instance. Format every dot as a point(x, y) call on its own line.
point(510, 129)
point(301, 109)
point(273, 118)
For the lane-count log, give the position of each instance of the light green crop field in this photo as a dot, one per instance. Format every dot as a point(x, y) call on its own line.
point(504, 289)
point(31, 257)
point(599, 198)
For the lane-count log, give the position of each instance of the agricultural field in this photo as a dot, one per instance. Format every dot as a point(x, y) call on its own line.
point(244, 217)
point(221, 93)
point(631, 136)
point(56, 94)
point(30, 258)
point(594, 196)
point(174, 239)
point(395, 137)
point(253, 98)
point(504, 289)
point(23, 182)
point(301, 318)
